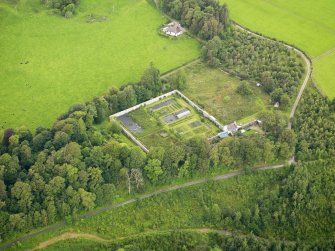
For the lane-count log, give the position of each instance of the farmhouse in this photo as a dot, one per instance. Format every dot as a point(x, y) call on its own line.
point(231, 128)
point(173, 29)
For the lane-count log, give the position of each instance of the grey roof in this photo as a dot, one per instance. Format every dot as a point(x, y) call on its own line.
point(232, 127)
point(174, 27)
point(181, 111)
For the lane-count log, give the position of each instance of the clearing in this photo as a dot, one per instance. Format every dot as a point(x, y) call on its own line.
point(309, 25)
point(215, 91)
point(49, 62)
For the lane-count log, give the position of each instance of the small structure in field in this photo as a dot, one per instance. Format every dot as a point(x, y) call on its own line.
point(276, 105)
point(182, 113)
point(173, 29)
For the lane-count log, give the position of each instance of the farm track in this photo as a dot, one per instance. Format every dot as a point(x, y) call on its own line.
point(307, 76)
point(322, 55)
point(167, 74)
point(93, 237)
point(142, 197)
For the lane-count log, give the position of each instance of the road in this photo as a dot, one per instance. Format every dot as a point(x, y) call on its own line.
point(142, 197)
point(307, 76)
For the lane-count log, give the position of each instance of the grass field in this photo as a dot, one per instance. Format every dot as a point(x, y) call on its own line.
point(157, 132)
point(47, 62)
point(310, 25)
point(216, 92)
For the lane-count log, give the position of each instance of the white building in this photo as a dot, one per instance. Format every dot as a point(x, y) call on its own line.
point(182, 113)
point(173, 29)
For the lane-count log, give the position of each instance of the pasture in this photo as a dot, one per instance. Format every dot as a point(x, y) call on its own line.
point(215, 91)
point(309, 25)
point(48, 62)
point(158, 125)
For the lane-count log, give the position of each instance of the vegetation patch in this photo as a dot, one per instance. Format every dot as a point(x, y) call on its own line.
point(217, 92)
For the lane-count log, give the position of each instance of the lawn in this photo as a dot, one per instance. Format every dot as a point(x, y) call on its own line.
point(157, 132)
point(310, 25)
point(47, 62)
point(216, 92)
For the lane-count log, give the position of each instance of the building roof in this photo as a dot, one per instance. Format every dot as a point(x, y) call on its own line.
point(233, 127)
point(223, 135)
point(173, 27)
point(185, 110)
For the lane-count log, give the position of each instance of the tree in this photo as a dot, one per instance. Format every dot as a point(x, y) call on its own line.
point(285, 100)
point(137, 178)
point(7, 134)
point(95, 178)
point(105, 194)
point(153, 170)
point(178, 81)
point(102, 109)
point(17, 221)
point(87, 199)
point(151, 80)
point(60, 139)
point(21, 191)
point(137, 158)
point(210, 52)
point(56, 185)
point(25, 155)
point(284, 151)
point(184, 170)
point(244, 89)
point(124, 172)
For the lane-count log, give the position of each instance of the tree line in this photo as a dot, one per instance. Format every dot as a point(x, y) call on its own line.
point(277, 68)
point(204, 18)
point(314, 124)
point(66, 8)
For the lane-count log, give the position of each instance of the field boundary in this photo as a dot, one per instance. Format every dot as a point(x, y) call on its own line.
point(156, 99)
point(324, 54)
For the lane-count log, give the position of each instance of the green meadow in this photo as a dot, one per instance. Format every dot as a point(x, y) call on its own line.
point(48, 62)
point(309, 25)
point(216, 92)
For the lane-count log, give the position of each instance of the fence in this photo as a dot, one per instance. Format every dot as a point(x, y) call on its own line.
point(153, 100)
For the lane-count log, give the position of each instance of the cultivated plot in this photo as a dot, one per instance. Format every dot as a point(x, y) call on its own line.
point(169, 120)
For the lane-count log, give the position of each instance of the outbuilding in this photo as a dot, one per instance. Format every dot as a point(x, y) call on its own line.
point(182, 113)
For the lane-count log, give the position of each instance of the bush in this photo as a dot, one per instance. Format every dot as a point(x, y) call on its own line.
point(244, 89)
